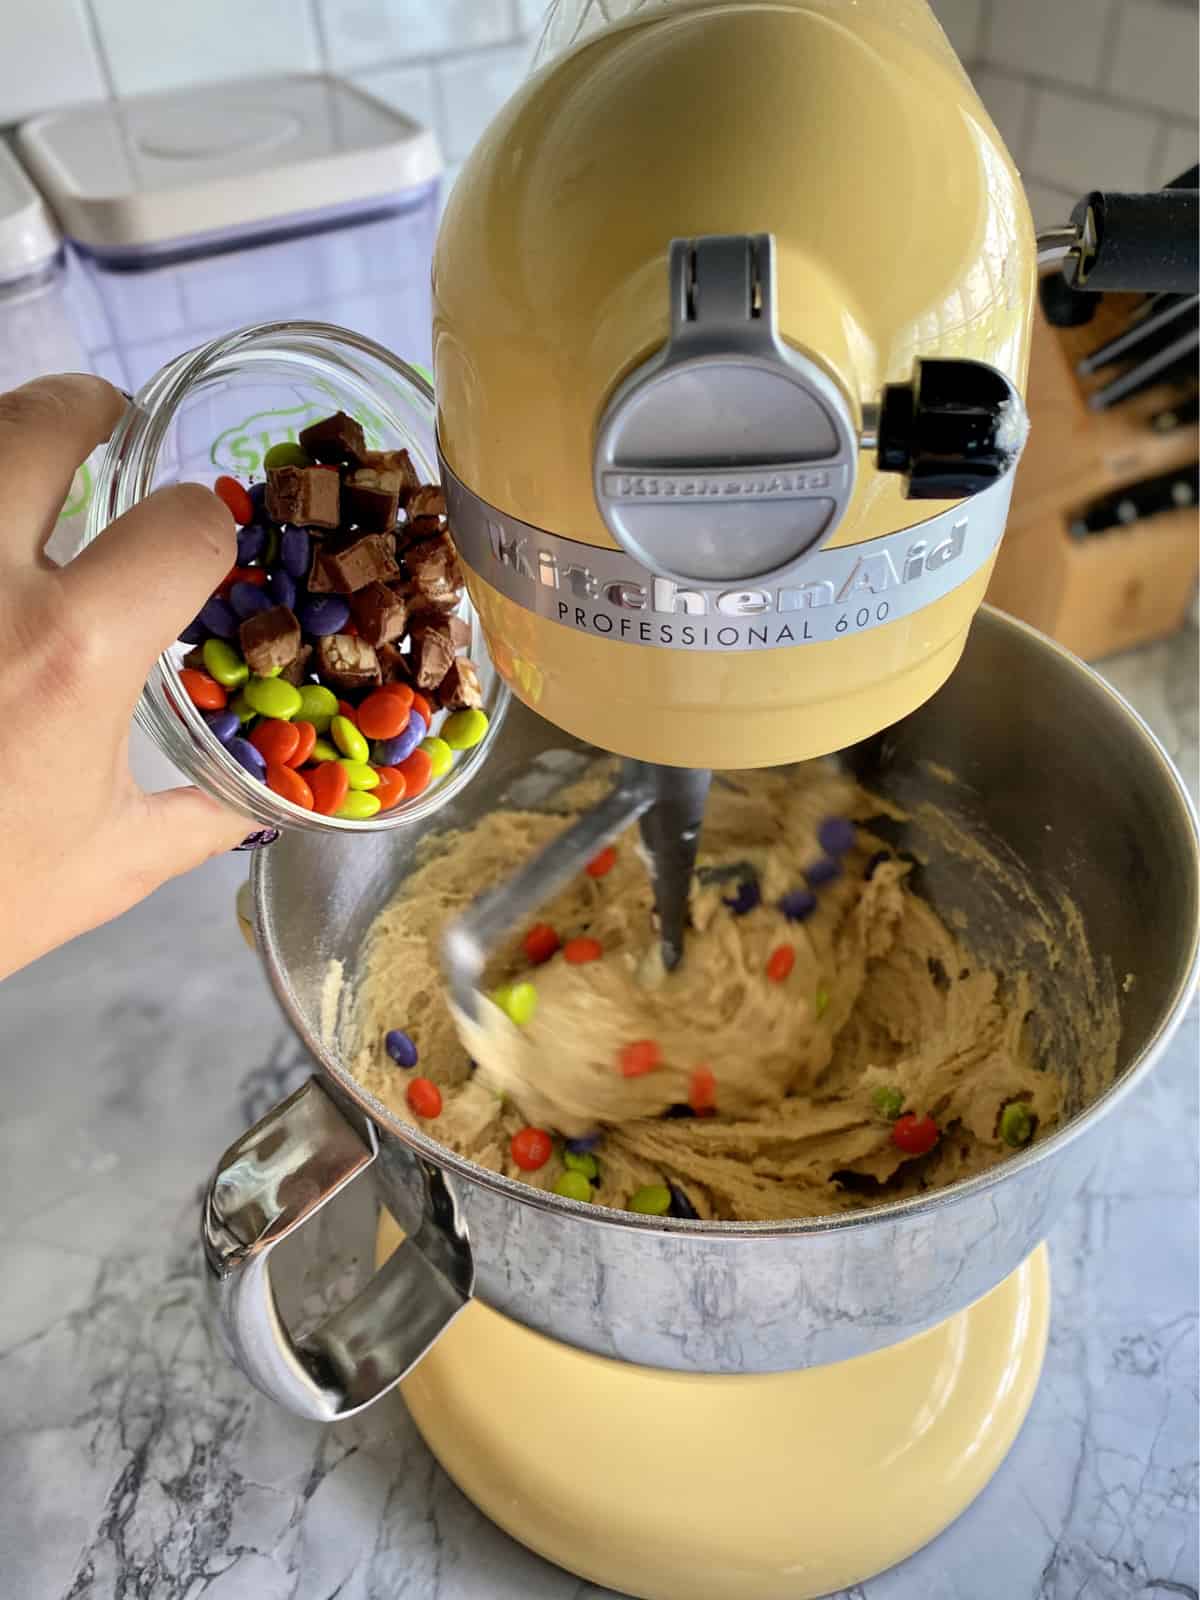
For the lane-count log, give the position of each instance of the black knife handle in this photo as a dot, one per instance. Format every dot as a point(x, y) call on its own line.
point(1137, 243)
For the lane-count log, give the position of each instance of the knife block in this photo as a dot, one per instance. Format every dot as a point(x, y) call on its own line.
point(1112, 590)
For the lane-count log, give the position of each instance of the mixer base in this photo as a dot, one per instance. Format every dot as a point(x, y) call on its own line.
point(669, 1486)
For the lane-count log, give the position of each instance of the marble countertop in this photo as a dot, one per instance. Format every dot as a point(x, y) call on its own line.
point(136, 1465)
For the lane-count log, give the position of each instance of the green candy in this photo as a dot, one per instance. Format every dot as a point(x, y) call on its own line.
point(287, 454)
point(573, 1186)
point(358, 806)
point(224, 664)
point(822, 1000)
point(518, 1001)
point(888, 1101)
point(585, 1163)
point(652, 1200)
point(464, 729)
point(273, 697)
point(318, 705)
point(322, 750)
point(245, 713)
point(441, 757)
point(360, 774)
point(1017, 1123)
point(348, 739)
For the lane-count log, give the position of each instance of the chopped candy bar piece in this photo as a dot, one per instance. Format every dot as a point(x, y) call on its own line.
point(373, 509)
point(367, 559)
point(297, 671)
point(347, 662)
point(395, 470)
point(304, 496)
point(380, 612)
point(460, 689)
point(415, 530)
point(432, 654)
point(436, 573)
point(320, 580)
point(336, 439)
point(392, 664)
point(270, 640)
point(427, 501)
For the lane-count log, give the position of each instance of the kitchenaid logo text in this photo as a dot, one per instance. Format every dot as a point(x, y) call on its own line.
point(770, 485)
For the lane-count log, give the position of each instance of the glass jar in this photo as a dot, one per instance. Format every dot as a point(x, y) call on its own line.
point(218, 409)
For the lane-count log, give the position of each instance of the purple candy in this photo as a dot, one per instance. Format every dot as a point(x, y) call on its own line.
point(258, 499)
point(400, 1047)
point(248, 598)
point(876, 860)
point(281, 586)
point(218, 618)
point(244, 753)
point(387, 752)
point(251, 542)
point(797, 904)
point(825, 870)
point(584, 1145)
point(224, 724)
point(323, 614)
point(678, 1110)
point(294, 551)
point(747, 897)
point(836, 836)
point(681, 1206)
point(194, 633)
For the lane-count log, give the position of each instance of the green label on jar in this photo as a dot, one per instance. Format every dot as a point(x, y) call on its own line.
point(240, 449)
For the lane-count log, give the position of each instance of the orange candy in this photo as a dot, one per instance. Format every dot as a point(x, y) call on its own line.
point(391, 788)
point(276, 740)
point(637, 1059)
point(304, 745)
point(780, 962)
point(235, 497)
point(202, 690)
point(422, 707)
point(254, 575)
point(599, 865)
point(579, 951)
point(424, 1098)
point(531, 1148)
point(401, 689)
point(290, 785)
point(702, 1090)
point(382, 716)
point(540, 944)
point(416, 771)
point(345, 709)
point(329, 784)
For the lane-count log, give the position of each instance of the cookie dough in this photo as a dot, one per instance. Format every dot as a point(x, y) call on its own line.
point(880, 994)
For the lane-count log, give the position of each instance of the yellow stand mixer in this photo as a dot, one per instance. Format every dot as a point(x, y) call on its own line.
point(733, 308)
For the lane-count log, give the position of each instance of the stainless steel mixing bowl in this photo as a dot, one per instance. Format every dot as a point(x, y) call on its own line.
point(1081, 799)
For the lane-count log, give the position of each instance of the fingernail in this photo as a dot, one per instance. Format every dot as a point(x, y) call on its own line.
point(255, 841)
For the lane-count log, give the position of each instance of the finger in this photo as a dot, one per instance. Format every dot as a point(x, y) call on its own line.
point(180, 829)
point(142, 581)
point(47, 429)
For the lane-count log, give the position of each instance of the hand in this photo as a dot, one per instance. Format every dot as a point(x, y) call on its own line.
point(80, 840)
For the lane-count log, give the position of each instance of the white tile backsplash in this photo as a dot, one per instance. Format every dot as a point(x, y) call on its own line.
point(1116, 153)
point(1180, 150)
point(201, 41)
point(474, 88)
point(1155, 56)
point(365, 33)
point(47, 58)
point(963, 22)
point(1046, 39)
point(1008, 100)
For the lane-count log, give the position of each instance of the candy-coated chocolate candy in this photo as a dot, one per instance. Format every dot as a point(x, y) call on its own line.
point(318, 705)
point(247, 599)
point(463, 730)
point(281, 586)
point(531, 1148)
point(601, 865)
point(745, 897)
point(224, 724)
point(652, 1200)
point(637, 1059)
point(416, 770)
point(916, 1136)
point(194, 633)
point(573, 1186)
point(1017, 1123)
point(888, 1100)
point(681, 1206)
point(400, 1047)
point(287, 454)
point(322, 750)
point(391, 752)
point(251, 542)
point(202, 690)
point(360, 775)
point(235, 497)
point(582, 950)
point(424, 1098)
point(402, 691)
point(518, 1001)
point(242, 709)
point(323, 614)
point(780, 962)
point(358, 805)
point(348, 739)
point(824, 870)
point(702, 1090)
point(345, 709)
point(330, 787)
point(275, 740)
point(383, 716)
point(224, 664)
point(584, 1143)
point(273, 697)
point(295, 551)
point(306, 738)
point(540, 943)
point(798, 904)
point(290, 785)
point(441, 757)
point(391, 789)
point(218, 617)
point(585, 1163)
point(822, 1000)
point(244, 753)
point(835, 835)
point(421, 706)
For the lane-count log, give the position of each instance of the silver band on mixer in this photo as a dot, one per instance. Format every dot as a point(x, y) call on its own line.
point(828, 595)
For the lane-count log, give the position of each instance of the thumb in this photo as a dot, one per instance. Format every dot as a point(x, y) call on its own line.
point(182, 829)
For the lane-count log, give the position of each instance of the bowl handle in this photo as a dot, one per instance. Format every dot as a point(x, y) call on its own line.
point(269, 1184)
